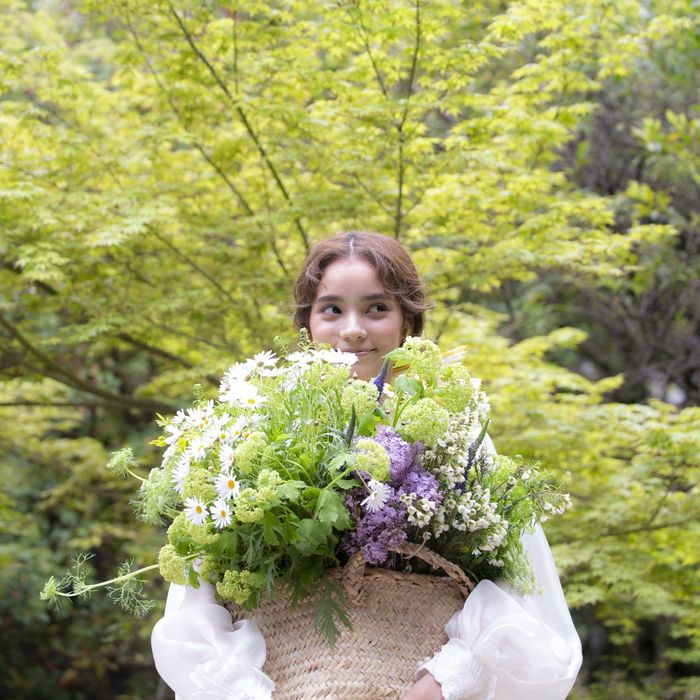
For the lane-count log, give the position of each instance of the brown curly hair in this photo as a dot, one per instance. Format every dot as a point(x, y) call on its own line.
point(395, 269)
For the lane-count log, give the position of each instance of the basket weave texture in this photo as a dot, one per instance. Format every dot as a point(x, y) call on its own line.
point(397, 622)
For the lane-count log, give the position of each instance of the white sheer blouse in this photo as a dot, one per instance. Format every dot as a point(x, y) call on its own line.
point(502, 645)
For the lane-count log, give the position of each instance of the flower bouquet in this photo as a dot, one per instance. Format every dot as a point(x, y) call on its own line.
point(298, 467)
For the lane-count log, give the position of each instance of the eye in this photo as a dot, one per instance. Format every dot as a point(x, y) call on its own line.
point(330, 309)
point(379, 308)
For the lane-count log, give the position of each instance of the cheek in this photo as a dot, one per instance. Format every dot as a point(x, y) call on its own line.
point(319, 330)
point(391, 330)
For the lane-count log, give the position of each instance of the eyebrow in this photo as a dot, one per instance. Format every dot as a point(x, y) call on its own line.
point(368, 297)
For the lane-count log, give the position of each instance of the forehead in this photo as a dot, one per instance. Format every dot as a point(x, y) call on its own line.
point(349, 277)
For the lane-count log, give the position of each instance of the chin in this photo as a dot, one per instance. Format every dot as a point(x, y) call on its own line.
point(364, 373)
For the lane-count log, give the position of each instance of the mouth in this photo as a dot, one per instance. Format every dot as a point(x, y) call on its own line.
point(360, 353)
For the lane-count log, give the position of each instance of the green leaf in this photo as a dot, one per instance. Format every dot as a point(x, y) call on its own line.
point(312, 534)
point(331, 510)
point(271, 528)
point(331, 606)
point(408, 386)
point(290, 490)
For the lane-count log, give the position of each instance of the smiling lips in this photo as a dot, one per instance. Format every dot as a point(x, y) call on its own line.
point(360, 353)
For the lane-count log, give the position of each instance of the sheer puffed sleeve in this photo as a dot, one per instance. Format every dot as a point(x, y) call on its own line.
point(503, 645)
point(202, 655)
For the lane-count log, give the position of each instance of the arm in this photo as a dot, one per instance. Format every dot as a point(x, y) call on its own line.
point(202, 655)
point(503, 645)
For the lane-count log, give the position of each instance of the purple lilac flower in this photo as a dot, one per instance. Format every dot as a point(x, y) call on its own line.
point(403, 455)
point(423, 484)
point(376, 533)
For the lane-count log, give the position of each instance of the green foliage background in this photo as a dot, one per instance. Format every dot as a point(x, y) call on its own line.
point(166, 165)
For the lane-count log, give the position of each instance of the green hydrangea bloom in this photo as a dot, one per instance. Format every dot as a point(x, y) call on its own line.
point(249, 453)
point(249, 506)
point(208, 568)
point(240, 586)
point(373, 458)
point(183, 532)
point(173, 567)
point(198, 483)
point(331, 377)
point(360, 394)
point(269, 479)
point(424, 421)
point(457, 390)
point(424, 357)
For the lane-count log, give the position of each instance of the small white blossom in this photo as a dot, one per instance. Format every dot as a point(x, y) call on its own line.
point(378, 495)
point(227, 485)
point(264, 364)
point(226, 456)
point(180, 473)
point(195, 510)
point(174, 433)
point(302, 360)
point(240, 372)
point(337, 357)
point(221, 514)
point(243, 394)
point(197, 449)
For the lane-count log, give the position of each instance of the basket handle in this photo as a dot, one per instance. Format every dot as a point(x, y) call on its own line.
point(355, 568)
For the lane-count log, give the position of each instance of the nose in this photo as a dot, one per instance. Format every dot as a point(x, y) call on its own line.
point(353, 328)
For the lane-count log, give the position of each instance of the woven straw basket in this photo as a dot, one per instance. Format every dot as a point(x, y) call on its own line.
point(397, 622)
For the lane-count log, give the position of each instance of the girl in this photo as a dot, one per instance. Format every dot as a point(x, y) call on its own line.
point(361, 293)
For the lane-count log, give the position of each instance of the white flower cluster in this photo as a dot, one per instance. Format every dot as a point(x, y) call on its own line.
point(420, 510)
point(472, 511)
point(449, 459)
point(557, 510)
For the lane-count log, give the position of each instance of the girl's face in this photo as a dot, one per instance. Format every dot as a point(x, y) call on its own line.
point(353, 313)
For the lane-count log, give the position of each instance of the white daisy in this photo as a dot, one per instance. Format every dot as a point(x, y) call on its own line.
point(195, 417)
point(179, 417)
point(302, 360)
point(169, 452)
point(221, 514)
point(195, 510)
point(173, 433)
point(227, 485)
point(264, 360)
point(219, 426)
point(337, 357)
point(201, 416)
point(240, 372)
point(180, 473)
point(225, 456)
point(197, 449)
point(235, 431)
point(378, 495)
point(243, 394)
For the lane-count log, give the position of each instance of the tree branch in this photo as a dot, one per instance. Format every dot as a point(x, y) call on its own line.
point(55, 371)
point(243, 117)
point(164, 354)
point(217, 168)
point(399, 214)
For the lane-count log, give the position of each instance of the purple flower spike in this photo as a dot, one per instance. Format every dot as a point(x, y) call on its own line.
point(379, 380)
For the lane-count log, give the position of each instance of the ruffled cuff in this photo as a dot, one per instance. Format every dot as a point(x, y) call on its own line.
point(202, 655)
point(460, 672)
